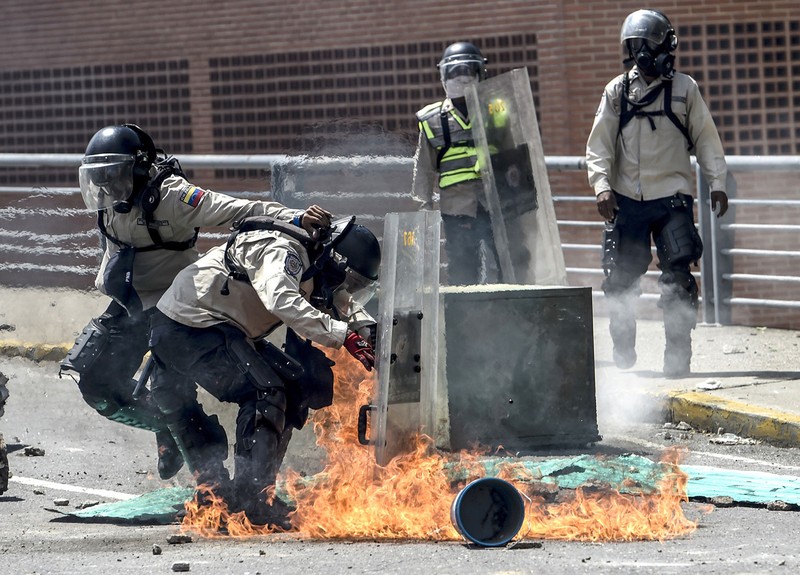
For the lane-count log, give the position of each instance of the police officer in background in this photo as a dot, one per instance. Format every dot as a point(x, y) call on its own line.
point(148, 215)
point(650, 119)
point(446, 165)
point(209, 330)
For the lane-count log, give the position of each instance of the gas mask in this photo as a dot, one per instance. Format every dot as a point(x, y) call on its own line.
point(652, 61)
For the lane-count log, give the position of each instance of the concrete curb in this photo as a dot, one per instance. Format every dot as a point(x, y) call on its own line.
point(34, 351)
point(707, 412)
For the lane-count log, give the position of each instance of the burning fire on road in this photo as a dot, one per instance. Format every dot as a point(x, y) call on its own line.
point(410, 498)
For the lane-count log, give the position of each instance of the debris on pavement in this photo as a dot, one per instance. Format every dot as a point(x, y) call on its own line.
point(180, 566)
point(31, 451)
point(60, 502)
point(781, 506)
point(178, 539)
point(156, 549)
point(732, 439)
point(709, 384)
point(87, 504)
point(722, 501)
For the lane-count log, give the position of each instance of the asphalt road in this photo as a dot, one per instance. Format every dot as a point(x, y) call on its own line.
point(88, 458)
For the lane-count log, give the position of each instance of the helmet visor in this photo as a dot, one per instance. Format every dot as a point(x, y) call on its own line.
point(106, 180)
point(354, 293)
point(467, 65)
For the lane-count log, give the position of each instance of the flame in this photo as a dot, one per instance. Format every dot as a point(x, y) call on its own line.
point(353, 498)
point(609, 515)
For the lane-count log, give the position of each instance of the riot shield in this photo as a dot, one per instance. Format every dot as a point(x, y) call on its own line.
point(407, 359)
point(511, 159)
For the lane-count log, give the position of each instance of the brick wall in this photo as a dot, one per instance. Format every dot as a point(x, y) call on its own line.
point(270, 77)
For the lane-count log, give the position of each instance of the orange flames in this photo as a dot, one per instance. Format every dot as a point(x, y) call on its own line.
point(353, 498)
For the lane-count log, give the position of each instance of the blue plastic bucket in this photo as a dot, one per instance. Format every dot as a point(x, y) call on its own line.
point(488, 512)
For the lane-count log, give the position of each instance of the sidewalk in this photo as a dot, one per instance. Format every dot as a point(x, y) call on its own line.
point(745, 380)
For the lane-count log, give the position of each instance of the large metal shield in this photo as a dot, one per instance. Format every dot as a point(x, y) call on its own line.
point(511, 159)
point(408, 337)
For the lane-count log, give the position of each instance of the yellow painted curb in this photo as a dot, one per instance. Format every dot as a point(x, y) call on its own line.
point(34, 351)
point(708, 412)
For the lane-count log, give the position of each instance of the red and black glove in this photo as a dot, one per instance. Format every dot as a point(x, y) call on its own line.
point(360, 349)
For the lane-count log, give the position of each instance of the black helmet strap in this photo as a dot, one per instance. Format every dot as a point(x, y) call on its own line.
point(147, 200)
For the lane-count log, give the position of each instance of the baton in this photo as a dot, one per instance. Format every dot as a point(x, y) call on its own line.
point(145, 375)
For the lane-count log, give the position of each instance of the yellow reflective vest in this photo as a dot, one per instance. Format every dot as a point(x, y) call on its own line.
point(451, 136)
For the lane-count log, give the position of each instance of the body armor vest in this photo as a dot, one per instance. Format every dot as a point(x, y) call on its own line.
point(451, 136)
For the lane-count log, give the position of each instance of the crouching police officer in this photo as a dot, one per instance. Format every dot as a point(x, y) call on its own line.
point(210, 328)
point(148, 215)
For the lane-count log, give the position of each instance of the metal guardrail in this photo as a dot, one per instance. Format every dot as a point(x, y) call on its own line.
point(716, 276)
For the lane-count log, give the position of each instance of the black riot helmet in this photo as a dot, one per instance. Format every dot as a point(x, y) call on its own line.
point(116, 165)
point(650, 40)
point(348, 268)
point(461, 64)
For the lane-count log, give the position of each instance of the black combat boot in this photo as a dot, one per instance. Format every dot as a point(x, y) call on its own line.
point(170, 459)
point(622, 327)
point(680, 319)
point(254, 480)
point(204, 445)
point(120, 405)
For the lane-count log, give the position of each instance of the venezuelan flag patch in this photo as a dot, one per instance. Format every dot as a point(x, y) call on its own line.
point(192, 196)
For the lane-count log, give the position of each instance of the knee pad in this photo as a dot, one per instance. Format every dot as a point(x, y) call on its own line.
point(87, 348)
point(678, 243)
point(271, 409)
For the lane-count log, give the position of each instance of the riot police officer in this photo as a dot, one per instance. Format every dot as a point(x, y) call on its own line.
point(650, 119)
point(209, 330)
point(148, 216)
point(446, 164)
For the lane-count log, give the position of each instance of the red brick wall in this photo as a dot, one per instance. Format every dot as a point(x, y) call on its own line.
point(577, 52)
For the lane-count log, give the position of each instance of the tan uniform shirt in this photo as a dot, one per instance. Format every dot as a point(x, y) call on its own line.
point(275, 264)
point(456, 200)
point(183, 207)
point(647, 164)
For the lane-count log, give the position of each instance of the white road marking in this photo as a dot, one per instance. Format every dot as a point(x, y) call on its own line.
point(73, 488)
point(656, 446)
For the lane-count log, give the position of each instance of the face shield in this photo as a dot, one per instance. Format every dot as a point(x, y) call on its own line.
point(459, 72)
point(106, 180)
point(353, 294)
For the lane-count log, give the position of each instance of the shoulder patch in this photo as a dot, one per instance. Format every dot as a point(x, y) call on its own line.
point(191, 195)
point(292, 265)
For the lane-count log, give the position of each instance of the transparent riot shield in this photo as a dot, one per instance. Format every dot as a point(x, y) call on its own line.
point(407, 356)
point(511, 159)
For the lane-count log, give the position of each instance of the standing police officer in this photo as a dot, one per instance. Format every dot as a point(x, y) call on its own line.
point(209, 330)
point(148, 215)
point(446, 164)
point(649, 121)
